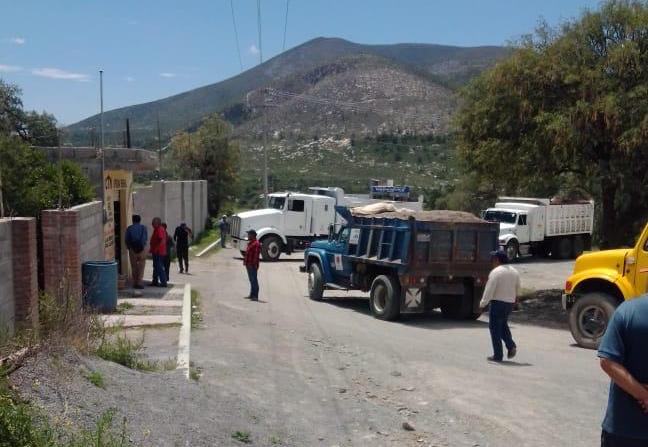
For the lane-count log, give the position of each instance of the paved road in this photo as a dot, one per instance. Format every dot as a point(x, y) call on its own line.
point(326, 373)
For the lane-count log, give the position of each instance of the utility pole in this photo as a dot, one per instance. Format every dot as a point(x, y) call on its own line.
point(103, 159)
point(1, 201)
point(60, 171)
point(159, 146)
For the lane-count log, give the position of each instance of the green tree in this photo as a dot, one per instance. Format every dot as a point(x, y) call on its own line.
point(567, 112)
point(11, 111)
point(30, 183)
point(209, 154)
point(40, 128)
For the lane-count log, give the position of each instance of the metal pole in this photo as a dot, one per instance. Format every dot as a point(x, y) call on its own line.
point(103, 161)
point(159, 145)
point(60, 170)
point(265, 164)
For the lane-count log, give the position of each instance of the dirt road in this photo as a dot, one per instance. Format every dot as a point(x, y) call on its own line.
point(326, 373)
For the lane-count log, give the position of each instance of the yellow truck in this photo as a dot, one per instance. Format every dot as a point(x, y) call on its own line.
point(600, 282)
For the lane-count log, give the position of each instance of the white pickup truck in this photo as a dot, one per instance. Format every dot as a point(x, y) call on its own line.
point(542, 226)
point(293, 220)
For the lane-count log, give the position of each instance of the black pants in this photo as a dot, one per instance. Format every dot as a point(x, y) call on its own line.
point(183, 255)
point(611, 440)
point(167, 266)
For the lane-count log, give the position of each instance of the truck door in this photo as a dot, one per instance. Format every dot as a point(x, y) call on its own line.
point(522, 229)
point(295, 218)
point(641, 264)
point(339, 249)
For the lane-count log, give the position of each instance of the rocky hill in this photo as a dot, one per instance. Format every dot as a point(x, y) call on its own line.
point(345, 87)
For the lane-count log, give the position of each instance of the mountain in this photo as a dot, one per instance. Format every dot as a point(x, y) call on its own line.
point(391, 84)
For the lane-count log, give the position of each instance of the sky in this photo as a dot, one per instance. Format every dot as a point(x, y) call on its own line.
point(151, 49)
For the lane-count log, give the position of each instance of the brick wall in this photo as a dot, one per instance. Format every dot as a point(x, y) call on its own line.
point(7, 306)
point(70, 237)
point(25, 271)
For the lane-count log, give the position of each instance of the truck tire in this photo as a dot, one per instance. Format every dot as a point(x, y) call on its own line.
point(271, 247)
point(512, 250)
point(561, 248)
point(589, 317)
point(578, 246)
point(315, 282)
point(384, 298)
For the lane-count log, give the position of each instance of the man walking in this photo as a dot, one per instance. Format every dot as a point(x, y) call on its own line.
point(501, 292)
point(251, 263)
point(158, 252)
point(136, 238)
point(223, 225)
point(181, 237)
point(622, 354)
point(169, 252)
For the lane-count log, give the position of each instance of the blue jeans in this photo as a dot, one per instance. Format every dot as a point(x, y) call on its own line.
point(499, 328)
point(254, 282)
point(159, 272)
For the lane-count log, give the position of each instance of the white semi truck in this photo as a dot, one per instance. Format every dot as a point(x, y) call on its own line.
point(293, 220)
point(543, 227)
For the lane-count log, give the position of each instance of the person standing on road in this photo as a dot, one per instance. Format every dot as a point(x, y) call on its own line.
point(623, 357)
point(158, 251)
point(501, 291)
point(251, 263)
point(169, 252)
point(181, 237)
point(223, 225)
point(135, 239)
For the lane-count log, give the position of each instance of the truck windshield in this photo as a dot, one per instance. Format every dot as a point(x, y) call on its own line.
point(277, 202)
point(500, 216)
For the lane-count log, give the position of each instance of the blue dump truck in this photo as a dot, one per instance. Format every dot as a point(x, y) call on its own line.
point(409, 262)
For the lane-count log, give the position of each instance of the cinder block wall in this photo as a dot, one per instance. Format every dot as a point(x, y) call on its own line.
point(7, 306)
point(173, 202)
point(70, 237)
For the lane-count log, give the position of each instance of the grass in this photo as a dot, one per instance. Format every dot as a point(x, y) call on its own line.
point(242, 436)
point(196, 314)
point(122, 308)
point(195, 373)
point(96, 378)
point(22, 425)
point(204, 239)
point(275, 440)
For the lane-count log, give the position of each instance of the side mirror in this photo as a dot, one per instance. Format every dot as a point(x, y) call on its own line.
point(331, 233)
point(482, 213)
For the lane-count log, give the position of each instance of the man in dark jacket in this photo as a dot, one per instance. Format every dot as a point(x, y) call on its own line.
point(181, 237)
point(136, 238)
point(223, 226)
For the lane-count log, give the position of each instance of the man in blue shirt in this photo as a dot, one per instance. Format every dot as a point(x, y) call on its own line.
point(624, 357)
point(136, 238)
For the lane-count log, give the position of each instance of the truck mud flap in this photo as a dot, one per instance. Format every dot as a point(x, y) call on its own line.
point(413, 301)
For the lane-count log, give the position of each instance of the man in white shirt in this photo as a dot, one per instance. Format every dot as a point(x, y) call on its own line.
point(501, 293)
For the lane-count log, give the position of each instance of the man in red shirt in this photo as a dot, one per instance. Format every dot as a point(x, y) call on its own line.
point(251, 263)
point(158, 246)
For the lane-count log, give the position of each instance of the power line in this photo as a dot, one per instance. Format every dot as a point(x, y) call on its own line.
point(238, 48)
point(259, 31)
point(283, 48)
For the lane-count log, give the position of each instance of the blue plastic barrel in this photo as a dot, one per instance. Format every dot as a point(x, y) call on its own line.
point(99, 280)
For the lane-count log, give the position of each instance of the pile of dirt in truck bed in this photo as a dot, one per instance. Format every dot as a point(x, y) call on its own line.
point(424, 216)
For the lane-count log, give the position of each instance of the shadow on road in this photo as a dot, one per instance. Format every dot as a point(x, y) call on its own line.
point(511, 363)
point(541, 308)
point(431, 320)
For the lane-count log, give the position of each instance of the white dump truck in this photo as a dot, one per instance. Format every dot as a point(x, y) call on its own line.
point(543, 227)
point(293, 220)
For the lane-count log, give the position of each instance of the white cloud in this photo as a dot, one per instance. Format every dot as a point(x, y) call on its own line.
point(9, 68)
point(129, 79)
point(57, 73)
point(168, 75)
point(253, 50)
point(18, 40)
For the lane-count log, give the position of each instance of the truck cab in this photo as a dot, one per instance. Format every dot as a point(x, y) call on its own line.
point(291, 222)
point(599, 283)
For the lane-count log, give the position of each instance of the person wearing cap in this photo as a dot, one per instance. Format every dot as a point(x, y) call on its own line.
point(181, 237)
point(223, 225)
point(251, 263)
point(501, 292)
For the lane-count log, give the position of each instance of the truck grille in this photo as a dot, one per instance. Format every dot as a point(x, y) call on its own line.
point(235, 226)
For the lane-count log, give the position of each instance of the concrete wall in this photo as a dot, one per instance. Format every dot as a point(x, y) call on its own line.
point(70, 237)
point(7, 306)
point(174, 202)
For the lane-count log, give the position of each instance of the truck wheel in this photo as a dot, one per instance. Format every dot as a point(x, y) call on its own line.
point(315, 282)
point(512, 250)
point(578, 246)
point(384, 298)
point(561, 248)
point(271, 248)
point(589, 317)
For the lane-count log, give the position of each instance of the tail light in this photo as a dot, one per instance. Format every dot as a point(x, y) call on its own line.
point(568, 286)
